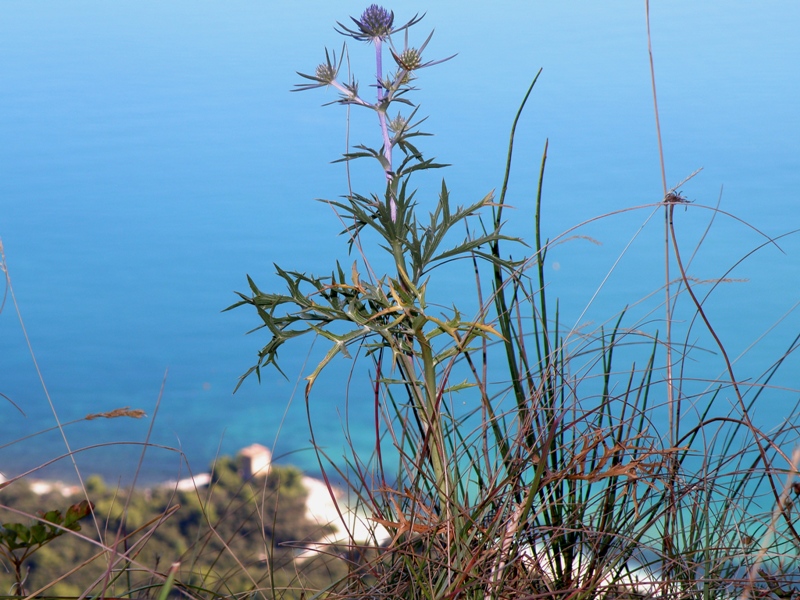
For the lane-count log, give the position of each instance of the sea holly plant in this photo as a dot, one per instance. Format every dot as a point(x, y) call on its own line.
point(391, 312)
point(376, 27)
point(558, 479)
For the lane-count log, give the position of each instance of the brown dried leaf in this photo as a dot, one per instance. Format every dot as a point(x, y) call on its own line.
point(125, 411)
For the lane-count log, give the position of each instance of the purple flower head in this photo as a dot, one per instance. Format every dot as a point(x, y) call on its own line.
point(376, 22)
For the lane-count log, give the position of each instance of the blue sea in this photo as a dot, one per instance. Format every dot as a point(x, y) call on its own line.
point(152, 156)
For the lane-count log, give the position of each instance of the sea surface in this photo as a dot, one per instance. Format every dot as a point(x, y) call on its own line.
point(152, 156)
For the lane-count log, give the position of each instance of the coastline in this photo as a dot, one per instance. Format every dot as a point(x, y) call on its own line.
point(345, 524)
point(328, 508)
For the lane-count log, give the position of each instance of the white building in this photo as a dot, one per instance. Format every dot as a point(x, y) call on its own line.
point(255, 461)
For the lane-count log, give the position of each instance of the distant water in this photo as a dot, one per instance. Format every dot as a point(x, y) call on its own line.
point(151, 155)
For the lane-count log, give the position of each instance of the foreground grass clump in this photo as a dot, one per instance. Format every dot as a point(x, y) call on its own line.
point(516, 457)
point(228, 538)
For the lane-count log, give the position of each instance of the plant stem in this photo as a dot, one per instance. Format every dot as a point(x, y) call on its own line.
point(387, 143)
point(425, 407)
point(672, 508)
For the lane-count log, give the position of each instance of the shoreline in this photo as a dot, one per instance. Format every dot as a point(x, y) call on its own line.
point(252, 459)
point(327, 507)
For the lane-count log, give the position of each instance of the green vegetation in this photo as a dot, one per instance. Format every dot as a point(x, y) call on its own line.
point(230, 538)
point(18, 542)
point(588, 462)
point(516, 457)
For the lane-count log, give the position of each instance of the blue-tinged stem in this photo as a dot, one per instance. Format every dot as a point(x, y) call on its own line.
point(381, 108)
